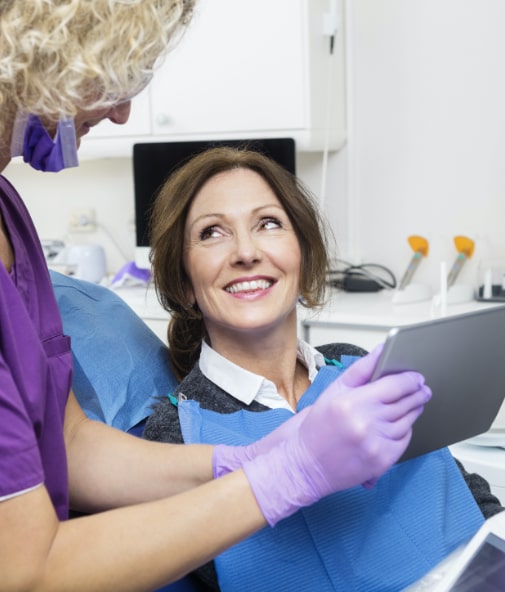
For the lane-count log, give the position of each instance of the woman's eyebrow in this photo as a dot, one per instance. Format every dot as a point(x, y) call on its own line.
point(203, 217)
point(221, 216)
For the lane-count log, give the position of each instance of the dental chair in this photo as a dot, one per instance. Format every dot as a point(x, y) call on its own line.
point(120, 365)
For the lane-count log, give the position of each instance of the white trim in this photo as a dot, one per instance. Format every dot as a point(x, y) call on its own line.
point(3, 498)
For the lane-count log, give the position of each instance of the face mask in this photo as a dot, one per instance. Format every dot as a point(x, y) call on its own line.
point(31, 140)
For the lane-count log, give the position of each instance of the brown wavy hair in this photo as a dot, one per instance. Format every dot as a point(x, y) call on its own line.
point(186, 327)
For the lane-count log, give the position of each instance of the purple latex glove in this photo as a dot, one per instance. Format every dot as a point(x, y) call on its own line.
point(230, 458)
point(226, 459)
point(353, 434)
point(45, 154)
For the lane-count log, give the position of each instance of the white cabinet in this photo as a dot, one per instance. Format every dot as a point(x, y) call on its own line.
point(244, 69)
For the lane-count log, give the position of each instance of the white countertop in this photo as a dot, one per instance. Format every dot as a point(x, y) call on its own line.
point(376, 309)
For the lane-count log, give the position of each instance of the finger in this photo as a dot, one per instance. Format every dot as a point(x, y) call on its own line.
point(370, 483)
point(392, 451)
point(394, 387)
point(402, 444)
point(402, 407)
point(398, 430)
point(362, 370)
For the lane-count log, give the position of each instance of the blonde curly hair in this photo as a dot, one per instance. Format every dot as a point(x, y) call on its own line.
point(58, 56)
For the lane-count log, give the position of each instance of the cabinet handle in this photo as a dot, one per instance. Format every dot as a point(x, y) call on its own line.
point(163, 119)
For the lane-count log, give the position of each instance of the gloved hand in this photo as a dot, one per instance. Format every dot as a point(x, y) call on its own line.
point(226, 459)
point(353, 434)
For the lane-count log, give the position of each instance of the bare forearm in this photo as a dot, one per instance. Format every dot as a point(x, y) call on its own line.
point(145, 546)
point(108, 468)
point(138, 548)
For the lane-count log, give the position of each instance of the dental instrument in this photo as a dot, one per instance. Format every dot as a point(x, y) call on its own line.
point(465, 247)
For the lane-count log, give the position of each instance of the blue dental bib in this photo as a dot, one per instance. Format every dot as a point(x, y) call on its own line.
point(377, 540)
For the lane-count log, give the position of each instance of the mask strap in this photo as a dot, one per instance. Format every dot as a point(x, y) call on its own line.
point(66, 130)
point(18, 133)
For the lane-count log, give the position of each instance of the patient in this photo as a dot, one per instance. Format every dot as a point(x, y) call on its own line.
point(237, 244)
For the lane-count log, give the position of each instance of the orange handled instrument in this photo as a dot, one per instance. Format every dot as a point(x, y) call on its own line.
point(420, 247)
point(465, 247)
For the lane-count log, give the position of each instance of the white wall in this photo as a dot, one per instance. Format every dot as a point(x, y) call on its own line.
point(429, 121)
point(425, 155)
point(105, 185)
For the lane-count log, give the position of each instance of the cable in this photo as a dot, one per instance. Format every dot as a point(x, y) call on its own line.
point(367, 277)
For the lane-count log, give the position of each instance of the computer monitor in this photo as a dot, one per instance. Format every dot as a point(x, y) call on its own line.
point(154, 162)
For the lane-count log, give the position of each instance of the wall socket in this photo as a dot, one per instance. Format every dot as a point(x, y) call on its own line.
point(83, 220)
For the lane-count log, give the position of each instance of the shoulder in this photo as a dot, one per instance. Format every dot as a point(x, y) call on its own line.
point(488, 503)
point(163, 423)
point(336, 350)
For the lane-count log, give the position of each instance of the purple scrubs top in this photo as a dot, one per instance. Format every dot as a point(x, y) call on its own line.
point(35, 365)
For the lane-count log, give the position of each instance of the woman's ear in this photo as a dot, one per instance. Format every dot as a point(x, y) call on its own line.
point(190, 297)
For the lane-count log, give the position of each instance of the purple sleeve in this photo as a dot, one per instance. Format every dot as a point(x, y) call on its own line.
point(20, 463)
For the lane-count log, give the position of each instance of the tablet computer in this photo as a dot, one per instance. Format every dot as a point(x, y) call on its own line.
point(478, 566)
point(462, 360)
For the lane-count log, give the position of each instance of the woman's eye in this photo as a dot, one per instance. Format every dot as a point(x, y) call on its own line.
point(209, 232)
point(270, 223)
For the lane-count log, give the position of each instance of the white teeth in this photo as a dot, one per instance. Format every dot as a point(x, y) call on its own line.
point(249, 286)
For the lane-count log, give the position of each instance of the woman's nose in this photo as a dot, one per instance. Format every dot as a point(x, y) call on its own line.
point(246, 251)
point(120, 113)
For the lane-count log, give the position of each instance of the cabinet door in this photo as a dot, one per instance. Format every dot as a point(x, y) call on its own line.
point(240, 67)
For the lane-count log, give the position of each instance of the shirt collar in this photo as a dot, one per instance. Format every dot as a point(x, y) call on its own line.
point(246, 386)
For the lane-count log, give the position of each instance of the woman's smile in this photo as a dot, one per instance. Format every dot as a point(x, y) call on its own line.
point(249, 286)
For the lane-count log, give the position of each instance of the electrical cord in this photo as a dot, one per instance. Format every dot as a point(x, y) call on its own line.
point(367, 277)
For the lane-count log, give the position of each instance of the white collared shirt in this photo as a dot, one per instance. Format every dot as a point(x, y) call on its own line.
point(246, 386)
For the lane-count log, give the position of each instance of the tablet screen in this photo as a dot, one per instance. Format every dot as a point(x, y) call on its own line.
point(486, 570)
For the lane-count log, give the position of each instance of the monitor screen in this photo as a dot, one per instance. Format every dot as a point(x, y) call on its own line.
point(153, 163)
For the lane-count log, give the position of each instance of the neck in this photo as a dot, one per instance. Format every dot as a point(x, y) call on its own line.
point(6, 252)
point(7, 126)
point(274, 357)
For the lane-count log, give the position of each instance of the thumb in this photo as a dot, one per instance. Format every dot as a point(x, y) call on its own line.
point(361, 371)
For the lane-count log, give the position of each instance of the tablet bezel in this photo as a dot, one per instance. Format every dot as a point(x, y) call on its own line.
point(461, 357)
point(491, 533)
